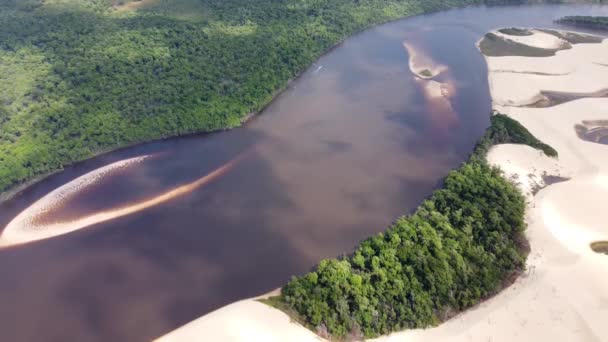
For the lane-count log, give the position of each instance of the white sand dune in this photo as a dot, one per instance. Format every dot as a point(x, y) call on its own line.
point(227, 324)
point(437, 94)
point(246, 320)
point(536, 39)
point(527, 166)
point(563, 296)
point(576, 70)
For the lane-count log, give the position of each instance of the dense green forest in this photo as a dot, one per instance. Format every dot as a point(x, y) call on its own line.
point(586, 21)
point(504, 130)
point(461, 245)
point(78, 77)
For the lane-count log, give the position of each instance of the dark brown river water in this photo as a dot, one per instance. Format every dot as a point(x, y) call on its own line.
point(350, 146)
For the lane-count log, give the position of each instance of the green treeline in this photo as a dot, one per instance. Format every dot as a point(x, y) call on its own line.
point(585, 21)
point(460, 246)
point(78, 77)
point(504, 130)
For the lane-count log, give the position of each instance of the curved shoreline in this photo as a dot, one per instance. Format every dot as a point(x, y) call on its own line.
point(422, 66)
point(129, 244)
point(24, 229)
point(24, 224)
point(15, 190)
point(18, 188)
point(556, 231)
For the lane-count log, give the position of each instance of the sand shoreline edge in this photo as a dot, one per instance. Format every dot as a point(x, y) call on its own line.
point(16, 189)
point(557, 296)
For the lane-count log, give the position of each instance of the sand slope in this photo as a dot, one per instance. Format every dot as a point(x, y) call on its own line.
point(247, 320)
point(577, 70)
point(537, 39)
point(563, 296)
point(421, 65)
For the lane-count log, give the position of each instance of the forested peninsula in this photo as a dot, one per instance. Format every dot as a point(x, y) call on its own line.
point(598, 23)
point(463, 244)
point(80, 77)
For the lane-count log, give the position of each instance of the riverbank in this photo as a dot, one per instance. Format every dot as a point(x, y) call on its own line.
point(223, 100)
point(560, 295)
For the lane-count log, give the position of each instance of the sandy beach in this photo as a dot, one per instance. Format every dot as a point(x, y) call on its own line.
point(536, 39)
point(563, 295)
point(438, 94)
point(422, 65)
point(24, 227)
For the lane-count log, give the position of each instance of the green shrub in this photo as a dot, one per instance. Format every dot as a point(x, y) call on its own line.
point(600, 23)
point(504, 130)
point(460, 246)
point(515, 31)
point(78, 77)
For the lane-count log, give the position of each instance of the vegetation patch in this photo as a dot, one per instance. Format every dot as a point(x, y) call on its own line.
point(426, 73)
point(504, 130)
point(493, 45)
point(574, 38)
point(90, 76)
point(515, 31)
point(598, 23)
point(460, 246)
point(121, 5)
point(600, 247)
point(593, 131)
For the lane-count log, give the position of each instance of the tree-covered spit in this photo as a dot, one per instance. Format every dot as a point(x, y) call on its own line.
point(463, 244)
point(599, 23)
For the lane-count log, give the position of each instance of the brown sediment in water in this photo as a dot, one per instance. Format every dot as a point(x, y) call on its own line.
point(600, 247)
point(26, 228)
point(438, 96)
point(132, 5)
point(548, 98)
point(593, 130)
point(422, 65)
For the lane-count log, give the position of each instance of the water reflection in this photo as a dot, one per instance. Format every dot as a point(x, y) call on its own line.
point(344, 151)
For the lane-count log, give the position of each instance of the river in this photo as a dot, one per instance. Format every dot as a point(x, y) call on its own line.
point(347, 148)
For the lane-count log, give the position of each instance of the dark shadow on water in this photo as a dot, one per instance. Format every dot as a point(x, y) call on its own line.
point(336, 158)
